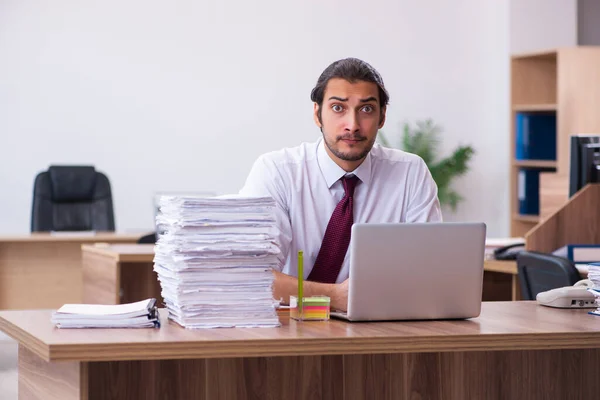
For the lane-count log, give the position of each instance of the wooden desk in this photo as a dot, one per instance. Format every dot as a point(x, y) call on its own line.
point(500, 281)
point(514, 350)
point(119, 273)
point(114, 274)
point(43, 270)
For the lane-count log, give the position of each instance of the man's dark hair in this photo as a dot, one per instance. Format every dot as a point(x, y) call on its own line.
point(352, 70)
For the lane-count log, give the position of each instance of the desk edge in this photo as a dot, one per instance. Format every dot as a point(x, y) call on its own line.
point(333, 346)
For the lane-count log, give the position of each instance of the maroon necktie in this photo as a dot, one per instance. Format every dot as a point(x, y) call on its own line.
point(337, 237)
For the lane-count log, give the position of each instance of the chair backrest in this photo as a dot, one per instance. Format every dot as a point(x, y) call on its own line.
point(72, 198)
point(539, 272)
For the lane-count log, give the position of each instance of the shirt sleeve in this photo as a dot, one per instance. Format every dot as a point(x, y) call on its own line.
point(424, 205)
point(265, 180)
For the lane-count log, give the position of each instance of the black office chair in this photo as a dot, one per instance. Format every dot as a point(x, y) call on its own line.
point(148, 239)
point(539, 272)
point(72, 198)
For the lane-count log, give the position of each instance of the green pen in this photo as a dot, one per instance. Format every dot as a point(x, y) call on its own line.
point(300, 282)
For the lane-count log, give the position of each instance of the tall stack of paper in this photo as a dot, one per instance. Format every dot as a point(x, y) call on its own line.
point(215, 261)
point(594, 276)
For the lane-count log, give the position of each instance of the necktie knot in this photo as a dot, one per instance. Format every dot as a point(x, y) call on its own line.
point(349, 183)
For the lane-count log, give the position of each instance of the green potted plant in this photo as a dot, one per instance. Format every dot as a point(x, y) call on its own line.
point(424, 140)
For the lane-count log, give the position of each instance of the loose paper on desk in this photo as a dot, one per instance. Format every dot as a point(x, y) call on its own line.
point(501, 242)
point(73, 233)
point(141, 314)
point(594, 277)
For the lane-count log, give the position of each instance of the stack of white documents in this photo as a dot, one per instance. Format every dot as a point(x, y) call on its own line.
point(594, 276)
point(141, 314)
point(214, 260)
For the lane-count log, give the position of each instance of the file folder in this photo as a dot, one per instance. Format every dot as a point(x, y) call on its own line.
point(529, 191)
point(535, 136)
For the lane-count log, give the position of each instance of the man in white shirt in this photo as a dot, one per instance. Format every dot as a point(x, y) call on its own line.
point(322, 188)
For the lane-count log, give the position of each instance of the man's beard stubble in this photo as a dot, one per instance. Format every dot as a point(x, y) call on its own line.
point(345, 156)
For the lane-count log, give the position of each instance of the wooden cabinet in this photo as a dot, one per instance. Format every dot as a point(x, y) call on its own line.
point(564, 82)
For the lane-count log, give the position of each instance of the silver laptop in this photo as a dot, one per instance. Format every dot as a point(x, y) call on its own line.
point(415, 271)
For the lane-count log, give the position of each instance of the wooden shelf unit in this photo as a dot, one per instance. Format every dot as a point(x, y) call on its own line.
point(534, 107)
point(565, 81)
point(534, 163)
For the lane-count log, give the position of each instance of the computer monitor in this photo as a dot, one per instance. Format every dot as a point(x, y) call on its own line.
point(584, 162)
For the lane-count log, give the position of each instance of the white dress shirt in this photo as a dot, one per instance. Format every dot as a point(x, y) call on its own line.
point(394, 186)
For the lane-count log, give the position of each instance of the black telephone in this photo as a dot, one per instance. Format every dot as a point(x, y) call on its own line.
point(509, 252)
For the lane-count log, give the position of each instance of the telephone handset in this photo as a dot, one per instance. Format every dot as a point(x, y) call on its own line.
point(586, 283)
point(509, 252)
point(576, 296)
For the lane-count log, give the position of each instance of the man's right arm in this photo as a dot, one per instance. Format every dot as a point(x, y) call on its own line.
point(265, 180)
point(286, 286)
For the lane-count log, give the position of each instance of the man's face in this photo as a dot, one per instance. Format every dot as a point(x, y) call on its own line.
point(350, 118)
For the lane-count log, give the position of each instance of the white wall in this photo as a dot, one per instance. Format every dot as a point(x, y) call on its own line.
point(184, 95)
point(542, 24)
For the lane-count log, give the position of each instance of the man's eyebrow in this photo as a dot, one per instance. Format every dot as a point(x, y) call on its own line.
point(372, 98)
point(368, 99)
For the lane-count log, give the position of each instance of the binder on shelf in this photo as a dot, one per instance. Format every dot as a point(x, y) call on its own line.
point(528, 191)
point(535, 136)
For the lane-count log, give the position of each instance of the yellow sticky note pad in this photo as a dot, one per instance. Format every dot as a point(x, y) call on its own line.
point(314, 308)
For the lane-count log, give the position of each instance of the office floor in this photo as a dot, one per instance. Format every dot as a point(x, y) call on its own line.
point(8, 368)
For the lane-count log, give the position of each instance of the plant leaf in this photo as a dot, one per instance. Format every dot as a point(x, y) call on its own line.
point(453, 166)
point(382, 139)
point(424, 140)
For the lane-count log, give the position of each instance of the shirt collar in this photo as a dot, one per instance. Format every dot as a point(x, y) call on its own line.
point(333, 172)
